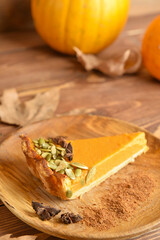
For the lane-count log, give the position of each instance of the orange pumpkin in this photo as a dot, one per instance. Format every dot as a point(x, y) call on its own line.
point(90, 25)
point(151, 48)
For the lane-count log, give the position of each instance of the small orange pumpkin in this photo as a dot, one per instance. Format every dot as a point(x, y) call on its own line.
point(90, 25)
point(151, 48)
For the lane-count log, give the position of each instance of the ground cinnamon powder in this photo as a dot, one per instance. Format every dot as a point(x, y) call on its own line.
point(120, 203)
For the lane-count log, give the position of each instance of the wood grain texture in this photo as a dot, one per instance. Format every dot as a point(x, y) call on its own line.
point(17, 228)
point(118, 97)
point(28, 75)
point(18, 187)
point(143, 7)
point(9, 223)
point(15, 14)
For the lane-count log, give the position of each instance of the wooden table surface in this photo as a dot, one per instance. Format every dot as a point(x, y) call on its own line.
point(27, 64)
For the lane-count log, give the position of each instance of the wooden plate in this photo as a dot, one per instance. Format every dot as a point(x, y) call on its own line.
point(18, 187)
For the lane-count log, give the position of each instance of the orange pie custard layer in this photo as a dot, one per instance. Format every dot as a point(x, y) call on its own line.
point(84, 164)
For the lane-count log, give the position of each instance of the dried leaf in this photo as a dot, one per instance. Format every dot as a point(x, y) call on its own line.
point(11, 107)
point(127, 62)
point(42, 106)
point(25, 237)
point(157, 132)
point(39, 236)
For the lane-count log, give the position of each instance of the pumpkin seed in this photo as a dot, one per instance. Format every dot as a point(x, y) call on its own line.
point(91, 174)
point(52, 161)
point(62, 165)
point(35, 141)
point(67, 163)
point(52, 165)
point(45, 150)
point(41, 141)
point(44, 154)
point(58, 152)
point(51, 144)
point(38, 151)
point(50, 141)
point(70, 173)
point(83, 181)
point(60, 148)
point(78, 172)
point(57, 162)
point(69, 194)
point(70, 167)
point(61, 171)
point(48, 157)
point(78, 165)
point(63, 153)
point(54, 156)
point(45, 145)
point(36, 144)
point(53, 149)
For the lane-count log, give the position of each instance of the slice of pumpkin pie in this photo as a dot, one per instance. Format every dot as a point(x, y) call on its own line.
point(68, 169)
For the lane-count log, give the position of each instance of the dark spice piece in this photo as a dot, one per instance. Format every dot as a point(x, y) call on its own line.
point(69, 152)
point(35, 205)
point(69, 148)
point(60, 140)
point(68, 218)
point(69, 156)
point(63, 144)
point(44, 212)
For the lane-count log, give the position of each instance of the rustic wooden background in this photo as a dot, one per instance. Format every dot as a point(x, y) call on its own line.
point(15, 14)
point(29, 65)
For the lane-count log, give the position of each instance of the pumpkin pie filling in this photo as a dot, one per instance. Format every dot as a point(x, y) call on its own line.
point(117, 152)
point(90, 162)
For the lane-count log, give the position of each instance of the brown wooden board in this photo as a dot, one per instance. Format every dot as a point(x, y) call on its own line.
point(18, 187)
